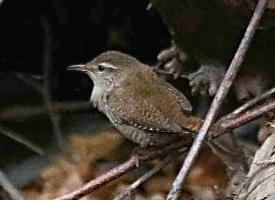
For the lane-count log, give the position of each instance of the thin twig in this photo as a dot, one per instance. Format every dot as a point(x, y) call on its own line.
point(45, 90)
point(230, 75)
point(21, 140)
point(29, 82)
point(130, 164)
point(47, 67)
point(7, 186)
point(120, 170)
point(103, 179)
point(246, 117)
point(148, 175)
point(19, 112)
point(250, 103)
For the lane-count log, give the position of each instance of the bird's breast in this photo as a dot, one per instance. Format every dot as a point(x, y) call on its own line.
point(97, 98)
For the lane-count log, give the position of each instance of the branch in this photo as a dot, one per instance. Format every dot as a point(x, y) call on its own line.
point(123, 168)
point(11, 191)
point(101, 180)
point(246, 117)
point(29, 82)
point(17, 112)
point(47, 68)
point(21, 140)
point(230, 75)
point(250, 103)
point(131, 189)
point(45, 90)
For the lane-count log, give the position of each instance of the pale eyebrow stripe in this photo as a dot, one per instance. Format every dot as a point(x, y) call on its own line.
point(108, 65)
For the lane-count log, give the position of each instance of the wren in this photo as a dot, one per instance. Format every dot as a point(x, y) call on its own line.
point(142, 106)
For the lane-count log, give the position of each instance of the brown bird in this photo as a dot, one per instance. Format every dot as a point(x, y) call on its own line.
point(142, 106)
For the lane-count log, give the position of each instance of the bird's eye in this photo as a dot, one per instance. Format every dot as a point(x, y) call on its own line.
point(100, 68)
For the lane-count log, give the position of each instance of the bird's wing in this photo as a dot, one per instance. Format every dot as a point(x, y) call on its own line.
point(179, 98)
point(143, 112)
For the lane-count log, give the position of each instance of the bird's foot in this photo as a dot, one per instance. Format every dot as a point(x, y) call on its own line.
point(140, 154)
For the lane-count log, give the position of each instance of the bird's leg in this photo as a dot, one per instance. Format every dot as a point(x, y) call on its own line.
point(142, 153)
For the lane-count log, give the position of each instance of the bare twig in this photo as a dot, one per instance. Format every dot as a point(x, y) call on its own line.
point(45, 90)
point(250, 103)
point(29, 81)
point(11, 191)
point(230, 75)
point(120, 170)
point(103, 179)
point(19, 112)
point(21, 140)
point(47, 67)
point(131, 189)
point(246, 117)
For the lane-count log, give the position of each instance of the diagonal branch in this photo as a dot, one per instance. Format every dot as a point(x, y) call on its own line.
point(45, 89)
point(7, 186)
point(46, 92)
point(250, 103)
point(230, 75)
point(25, 112)
point(123, 168)
point(246, 117)
point(145, 177)
point(103, 179)
point(21, 140)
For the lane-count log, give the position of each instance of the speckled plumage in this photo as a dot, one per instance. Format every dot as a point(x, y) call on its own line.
point(142, 106)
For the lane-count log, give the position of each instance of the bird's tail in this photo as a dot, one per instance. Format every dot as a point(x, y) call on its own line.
point(194, 124)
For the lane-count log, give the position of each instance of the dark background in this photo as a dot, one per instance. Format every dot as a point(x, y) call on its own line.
point(80, 30)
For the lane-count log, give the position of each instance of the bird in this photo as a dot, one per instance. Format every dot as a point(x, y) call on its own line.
point(144, 107)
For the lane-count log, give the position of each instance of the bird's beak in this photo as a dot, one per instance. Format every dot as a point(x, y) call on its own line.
point(81, 68)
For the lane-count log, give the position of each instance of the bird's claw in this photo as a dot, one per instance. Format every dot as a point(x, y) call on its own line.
point(138, 153)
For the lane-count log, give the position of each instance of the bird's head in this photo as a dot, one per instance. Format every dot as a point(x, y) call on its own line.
point(108, 68)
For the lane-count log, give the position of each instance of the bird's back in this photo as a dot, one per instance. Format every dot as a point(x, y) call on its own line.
point(147, 101)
